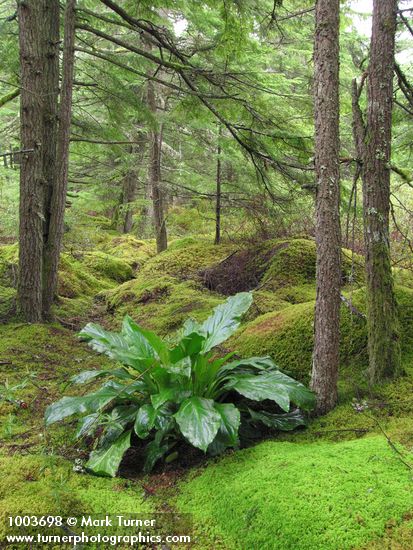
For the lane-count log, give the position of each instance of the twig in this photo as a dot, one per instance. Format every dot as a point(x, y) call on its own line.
point(352, 308)
point(390, 442)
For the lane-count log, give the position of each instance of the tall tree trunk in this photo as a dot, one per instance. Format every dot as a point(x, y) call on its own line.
point(155, 144)
point(34, 48)
point(218, 192)
point(51, 23)
point(382, 318)
point(58, 198)
point(128, 196)
point(130, 182)
point(328, 234)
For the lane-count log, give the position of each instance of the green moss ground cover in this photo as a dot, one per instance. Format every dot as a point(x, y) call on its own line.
point(44, 485)
point(336, 480)
point(285, 496)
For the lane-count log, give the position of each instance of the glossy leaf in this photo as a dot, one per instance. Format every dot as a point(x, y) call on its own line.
point(145, 342)
point(225, 319)
point(198, 421)
point(259, 387)
point(258, 363)
point(145, 420)
point(87, 425)
point(284, 422)
point(68, 406)
point(169, 394)
point(274, 385)
point(105, 461)
point(116, 346)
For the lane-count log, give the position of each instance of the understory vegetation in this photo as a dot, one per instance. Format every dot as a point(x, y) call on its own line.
point(339, 466)
point(206, 274)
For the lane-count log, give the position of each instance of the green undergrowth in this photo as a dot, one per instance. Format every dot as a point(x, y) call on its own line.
point(36, 363)
point(43, 485)
point(169, 288)
point(280, 495)
point(186, 262)
point(161, 303)
point(334, 484)
point(133, 251)
point(294, 264)
point(82, 275)
point(287, 334)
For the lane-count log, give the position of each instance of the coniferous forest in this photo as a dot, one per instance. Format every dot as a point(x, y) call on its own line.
point(206, 274)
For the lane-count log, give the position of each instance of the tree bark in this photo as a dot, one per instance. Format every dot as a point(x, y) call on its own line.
point(128, 196)
point(327, 232)
point(155, 144)
point(51, 26)
point(382, 317)
point(58, 198)
point(34, 47)
point(218, 193)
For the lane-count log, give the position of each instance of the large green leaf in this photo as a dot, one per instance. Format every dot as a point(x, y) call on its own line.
point(285, 422)
point(198, 421)
point(230, 421)
point(189, 345)
point(138, 355)
point(145, 342)
point(160, 445)
point(87, 425)
point(225, 319)
point(273, 385)
point(89, 375)
point(259, 387)
point(299, 394)
point(169, 394)
point(116, 422)
point(258, 363)
point(182, 368)
point(189, 327)
point(105, 461)
point(145, 420)
point(227, 435)
point(92, 402)
point(153, 452)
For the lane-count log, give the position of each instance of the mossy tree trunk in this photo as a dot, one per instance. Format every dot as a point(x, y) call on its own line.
point(382, 318)
point(155, 154)
point(128, 196)
point(55, 231)
point(218, 191)
point(327, 232)
point(38, 42)
point(50, 115)
point(131, 181)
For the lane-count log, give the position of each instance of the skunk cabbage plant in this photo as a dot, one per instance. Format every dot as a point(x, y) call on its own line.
point(164, 393)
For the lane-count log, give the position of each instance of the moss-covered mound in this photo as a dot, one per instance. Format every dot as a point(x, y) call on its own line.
point(108, 266)
point(169, 288)
point(82, 275)
point(288, 334)
point(186, 262)
point(47, 485)
point(128, 248)
point(161, 303)
point(76, 281)
point(284, 496)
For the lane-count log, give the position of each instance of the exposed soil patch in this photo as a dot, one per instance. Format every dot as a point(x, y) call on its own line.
point(242, 270)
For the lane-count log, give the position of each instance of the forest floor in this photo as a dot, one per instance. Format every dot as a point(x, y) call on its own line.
point(343, 482)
